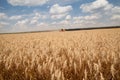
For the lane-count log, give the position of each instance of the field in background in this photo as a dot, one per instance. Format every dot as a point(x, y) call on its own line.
point(75, 55)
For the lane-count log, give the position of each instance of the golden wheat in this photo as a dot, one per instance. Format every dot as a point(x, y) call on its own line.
point(76, 55)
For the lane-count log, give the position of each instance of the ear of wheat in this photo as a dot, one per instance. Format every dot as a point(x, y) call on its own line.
point(76, 55)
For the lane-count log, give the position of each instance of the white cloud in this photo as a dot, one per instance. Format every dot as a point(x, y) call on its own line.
point(115, 17)
point(22, 22)
point(16, 17)
point(91, 7)
point(25, 25)
point(84, 22)
point(42, 24)
point(54, 22)
point(21, 26)
point(30, 22)
point(97, 13)
point(39, 2)
point(110, 14)
point(33, 21)
point(76, 24)
point(68, 17)
point(56, 9)
point(87, 21)
point(100, 6)
point(115, 13)
point(58, 12)
point(116, 10)
point(62, 2)
point(36, 17)
point(108, 7)
point(58, 16)
point(27, 2)
point(64, 22)
point(3, 16)
point(2, 24)
point(88, 17)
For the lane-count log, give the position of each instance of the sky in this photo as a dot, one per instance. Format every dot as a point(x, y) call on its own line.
point(39, 15)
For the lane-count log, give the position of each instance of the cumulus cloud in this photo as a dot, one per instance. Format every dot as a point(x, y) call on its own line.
point(43, 24)
point(64, 22)
point(25, 25)
point(116, 10)
point(2, 24)
point(16, 17)
point(39, 2)
point(98, 4)
point(109, 12)
point(101, 6)
point(29, 19)
point(27, 2)
point(62, 2)
point(30, 22)
point(115, 13)
point(20, 26)
point(58, 12)
point(88, 17)
point(36, 17)
point(96, 13)
point(34, 21)
point(22, 22)
point(115, 17)
point(58, 16)
point(57, 9)
point(68, 17)
point(3, 16)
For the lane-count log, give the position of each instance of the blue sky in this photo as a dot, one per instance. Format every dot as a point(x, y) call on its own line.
point(38, 15)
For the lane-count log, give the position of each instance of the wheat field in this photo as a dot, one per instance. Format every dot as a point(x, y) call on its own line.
point(74, 55)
